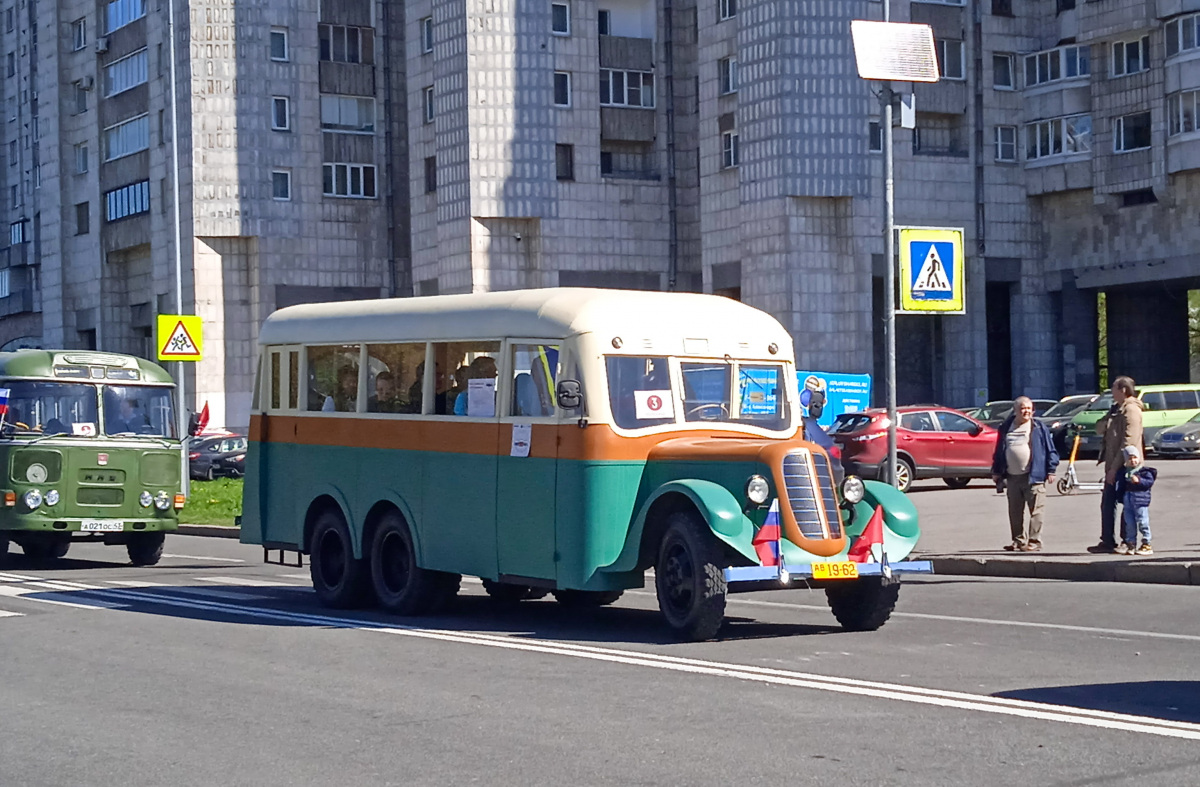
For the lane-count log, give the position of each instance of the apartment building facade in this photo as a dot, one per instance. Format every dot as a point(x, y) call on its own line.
point(373, 149)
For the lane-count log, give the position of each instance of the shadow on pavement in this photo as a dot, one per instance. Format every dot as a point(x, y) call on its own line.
point(1174, 700)
point(19, 562)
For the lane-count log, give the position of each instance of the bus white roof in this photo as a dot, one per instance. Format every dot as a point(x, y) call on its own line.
point(551, 313)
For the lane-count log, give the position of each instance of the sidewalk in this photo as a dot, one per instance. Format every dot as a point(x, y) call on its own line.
point(964, 531)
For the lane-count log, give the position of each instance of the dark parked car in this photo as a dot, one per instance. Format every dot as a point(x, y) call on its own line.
point(931, 442)
point(208, 456)
point(1058, 419)
point(994, 413)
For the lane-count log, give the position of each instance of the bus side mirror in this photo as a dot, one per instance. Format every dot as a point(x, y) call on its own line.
point(194, 425)
point(570, 394)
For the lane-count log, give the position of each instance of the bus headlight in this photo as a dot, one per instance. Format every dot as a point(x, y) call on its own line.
point(52, 497)
point(32, 499)
point(757, 490)
point(853, 489)
point(146, 499)
point(162, 501)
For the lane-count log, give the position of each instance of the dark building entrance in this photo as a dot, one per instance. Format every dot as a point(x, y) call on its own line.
point(1147, 332)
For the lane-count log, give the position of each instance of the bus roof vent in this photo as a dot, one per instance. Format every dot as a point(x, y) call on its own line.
point(95, 359)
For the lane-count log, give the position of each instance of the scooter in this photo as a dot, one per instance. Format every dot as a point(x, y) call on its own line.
point(1070, 479)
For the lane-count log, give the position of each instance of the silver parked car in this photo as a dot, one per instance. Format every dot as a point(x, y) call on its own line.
point(1179, 440)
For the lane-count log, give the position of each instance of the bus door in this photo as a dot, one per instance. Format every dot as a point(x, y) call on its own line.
point(528, 463)
point(275, 498)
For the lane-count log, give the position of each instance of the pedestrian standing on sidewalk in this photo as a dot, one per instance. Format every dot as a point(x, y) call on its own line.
point(1133, 487)
point(1024, 461)
point(1122, 428)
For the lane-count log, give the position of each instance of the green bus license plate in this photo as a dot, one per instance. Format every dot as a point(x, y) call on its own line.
point(101, 526)
point(844, 570)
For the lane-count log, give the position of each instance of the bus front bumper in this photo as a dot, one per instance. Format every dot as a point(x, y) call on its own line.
point(747, 578)
point(91, 526)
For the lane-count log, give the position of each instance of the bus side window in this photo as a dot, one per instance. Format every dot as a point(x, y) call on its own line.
point(333, 378)
point(535, 371)
point(394, 377)
point(468, 365)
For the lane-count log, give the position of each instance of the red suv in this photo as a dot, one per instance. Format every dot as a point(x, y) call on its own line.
point(931, 442)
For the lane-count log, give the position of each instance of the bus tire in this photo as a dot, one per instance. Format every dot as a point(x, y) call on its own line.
point(586, 599)
point(46, 547)
point(508, 594)
point(864, 605)
point(689, 580)
point(3, 548)
point(339, 579)
point(403, 587)
point(145, 549)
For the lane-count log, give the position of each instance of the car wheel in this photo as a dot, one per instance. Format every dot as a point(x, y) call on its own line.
point(957, 482)
point(904, 474)
point(209, 474)
point(689, 580)
point(339, 579)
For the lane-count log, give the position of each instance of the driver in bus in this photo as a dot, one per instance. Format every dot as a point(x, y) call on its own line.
point(127, 419)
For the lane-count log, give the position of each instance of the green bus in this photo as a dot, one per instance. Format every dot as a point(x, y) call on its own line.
point(558, 441)
point(90, 451)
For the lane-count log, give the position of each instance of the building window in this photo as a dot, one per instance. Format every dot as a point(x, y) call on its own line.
point(430, 174)
point(12, 153)
point(427, 103)
point(729, 149)
point(126, 73)
point(121, 12)
point(560, 19)
point(1182, 34)
point(9, 16)
point(348, 180)
point(1181, 112)
point(1065, 5)
point(279, 44)
point(427, 34)
point(83, 218)
point(80, 98)
point(1136, 197)
point(939, 134)
point(16, 233)
point(5, 290)
point(727, 69)
point(605, 22)
point(1002, 8)
point(1058, 137)
point(1066, 62)
point(281, 115)
point(941, 2)
point(875, 137)
point(726, 9)
point(341, 44)
point(1132, 132)
point(348, 114)
point(281, 185)
point(11, 69)
point(950, 58)
point(79, 34)
point(564, 162)
point(606, 162)
point(126, 138)
point(81, 158)
point(1130, 57)
point(1003, 77)
point(127, 201)
point(626, 88)
point(562, 89)
point(1006, 143)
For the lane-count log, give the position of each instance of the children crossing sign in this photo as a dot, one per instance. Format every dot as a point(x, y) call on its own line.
point(179, 337)
point(932, 271)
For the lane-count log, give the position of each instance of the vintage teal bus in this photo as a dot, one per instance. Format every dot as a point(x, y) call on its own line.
point(90, 451)
point(557, 440)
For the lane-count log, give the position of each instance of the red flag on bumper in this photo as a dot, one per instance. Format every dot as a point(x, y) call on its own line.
point(766, 540)
point(860, 551)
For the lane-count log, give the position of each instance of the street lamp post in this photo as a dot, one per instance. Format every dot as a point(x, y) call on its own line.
point(181, 381)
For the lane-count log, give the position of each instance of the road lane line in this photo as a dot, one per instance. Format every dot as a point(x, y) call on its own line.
point(6, 614)
point(217, 593)
point(206, 557)
point(295, 576)
point(250, 583)
point(133, 583)
point(912, 694)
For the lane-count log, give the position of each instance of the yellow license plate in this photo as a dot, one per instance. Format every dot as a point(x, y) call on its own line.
point(846, 570)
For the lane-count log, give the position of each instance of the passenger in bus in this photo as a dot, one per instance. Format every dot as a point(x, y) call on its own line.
point(417, 389)
point(482, 368)
point(385, 399)
point(126, 419)
point(461, 375)
point(345, 397)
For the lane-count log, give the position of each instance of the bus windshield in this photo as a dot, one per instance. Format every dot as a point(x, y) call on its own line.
point(642, 394)
point(51, 408)
point(139, 410)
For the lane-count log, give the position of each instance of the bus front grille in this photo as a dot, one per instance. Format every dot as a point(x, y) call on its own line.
point(825, 483)
point(803, 495)
point(100, 496)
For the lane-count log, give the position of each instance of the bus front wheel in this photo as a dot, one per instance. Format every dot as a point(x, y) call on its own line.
point(46, 547)
point(145, 549)
point(339, 579)
point(400, 584)
point(689, 579)
point(3, 548)
point(864, 605)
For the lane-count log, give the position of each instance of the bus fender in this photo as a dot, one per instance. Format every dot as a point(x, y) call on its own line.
point(329, 490)
point(395, 498)
point(722, 512)
point(901, 529)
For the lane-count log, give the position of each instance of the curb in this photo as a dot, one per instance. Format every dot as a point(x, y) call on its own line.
point(210, 531)
point(1175, 573)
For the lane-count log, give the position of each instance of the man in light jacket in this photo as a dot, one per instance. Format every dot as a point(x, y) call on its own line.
point(1122, 427)
point(1024, 460)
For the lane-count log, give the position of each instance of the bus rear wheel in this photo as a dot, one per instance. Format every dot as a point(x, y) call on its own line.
point(339, 579)
point(400, 584)
point(145, 549)
point(864, 605)
point(689, 579)
point(586, 599)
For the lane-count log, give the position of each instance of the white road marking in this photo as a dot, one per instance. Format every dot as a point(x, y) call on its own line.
point(295, 576)
point(899, 692)
point(206, 557)
point(127, 583)
point(6, 614)
point(250, 583)
point(35, 594)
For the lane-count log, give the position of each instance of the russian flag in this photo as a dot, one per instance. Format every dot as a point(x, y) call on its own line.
point(861, 551)
point(766, 540)
point(4, 392)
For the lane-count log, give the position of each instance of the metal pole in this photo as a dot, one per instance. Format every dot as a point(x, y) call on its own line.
point(889, 274)
point(181, 382)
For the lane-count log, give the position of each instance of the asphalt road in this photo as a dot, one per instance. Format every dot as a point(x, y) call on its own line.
point(215, 669)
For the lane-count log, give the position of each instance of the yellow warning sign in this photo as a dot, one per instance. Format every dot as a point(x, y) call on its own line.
point(179, 337)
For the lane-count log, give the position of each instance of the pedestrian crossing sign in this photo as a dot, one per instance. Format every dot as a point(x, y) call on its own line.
point(932, 270)
point(179, 337)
